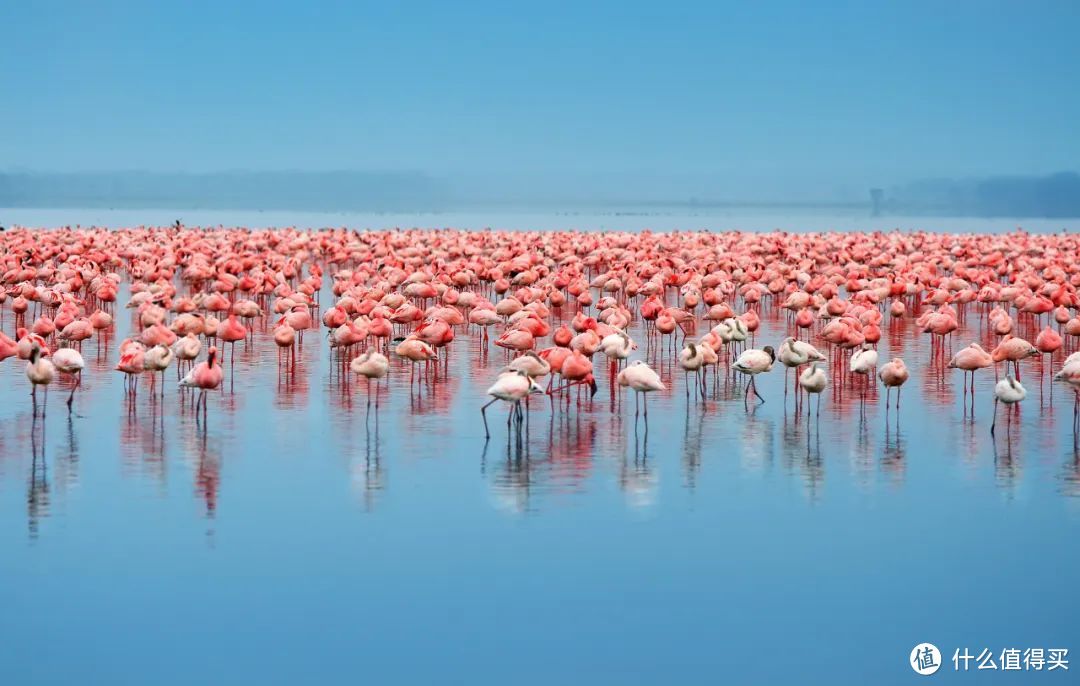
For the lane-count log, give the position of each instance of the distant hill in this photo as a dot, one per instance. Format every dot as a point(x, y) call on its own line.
point(1056, 195)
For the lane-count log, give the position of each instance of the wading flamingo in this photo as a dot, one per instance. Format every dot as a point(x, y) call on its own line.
point(1010, 392)
point(371, 365)
point(642, 379)
point(893, 374)
point(69, 361)
point(813, 380)
point(206, 376)
point(513, 387)
point(753, 362)
point(39, 372)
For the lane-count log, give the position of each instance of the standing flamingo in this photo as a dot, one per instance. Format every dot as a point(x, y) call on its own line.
point(642, 379)
point(753, 362)
point(206, 376)
point(40, 372)
point(158, 359)
point(813, 380)
point(863, 362)
point(893, 374)
point(969, 360)
point(1010, 392)
point(69, 361)
point(793, 354)
point(692, 360)
point(371, 365)
point(512, 387)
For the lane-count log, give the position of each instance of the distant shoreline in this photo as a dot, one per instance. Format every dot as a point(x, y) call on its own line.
point(403, 192)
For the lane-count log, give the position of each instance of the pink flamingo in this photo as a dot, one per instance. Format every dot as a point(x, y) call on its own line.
point(206, 376)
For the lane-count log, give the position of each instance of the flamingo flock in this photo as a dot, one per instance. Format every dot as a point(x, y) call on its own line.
point(562, 305)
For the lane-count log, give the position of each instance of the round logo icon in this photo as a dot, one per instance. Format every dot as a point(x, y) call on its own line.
point(925, 659)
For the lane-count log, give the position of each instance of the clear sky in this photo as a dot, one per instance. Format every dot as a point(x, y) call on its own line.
point(788, 92)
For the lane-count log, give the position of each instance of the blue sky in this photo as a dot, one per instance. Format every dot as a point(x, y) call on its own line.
point(783, 92)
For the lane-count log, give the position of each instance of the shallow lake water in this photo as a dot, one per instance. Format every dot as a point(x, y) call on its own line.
point(299, 538)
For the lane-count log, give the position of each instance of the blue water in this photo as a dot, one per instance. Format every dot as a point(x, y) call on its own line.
point(298, 539)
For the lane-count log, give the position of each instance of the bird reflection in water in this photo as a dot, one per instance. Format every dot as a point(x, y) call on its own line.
point(938, 385)
point(1007, 467)
point(862, 453)
point(572, 445)
point(208, 475)
point(143, 442)
point(102, 355)
point(367, 473)
point(434, 392)
point(67, 462)
point(692, 442)
point(293, 386)
point(513, 481)
point(131, 406)
point(638, 479)
point(564, 463)
point(1070, 476)
point(893, 457)
point(801, 446)
point(37, 498)
point(758, 443)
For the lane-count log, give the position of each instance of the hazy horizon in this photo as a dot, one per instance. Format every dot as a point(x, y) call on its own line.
point(1017, 196)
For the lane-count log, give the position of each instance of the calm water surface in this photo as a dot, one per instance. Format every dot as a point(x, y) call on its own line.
point(298, 540)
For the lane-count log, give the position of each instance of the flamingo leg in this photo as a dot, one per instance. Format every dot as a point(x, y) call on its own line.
point(483, 414)
point(78, 382)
